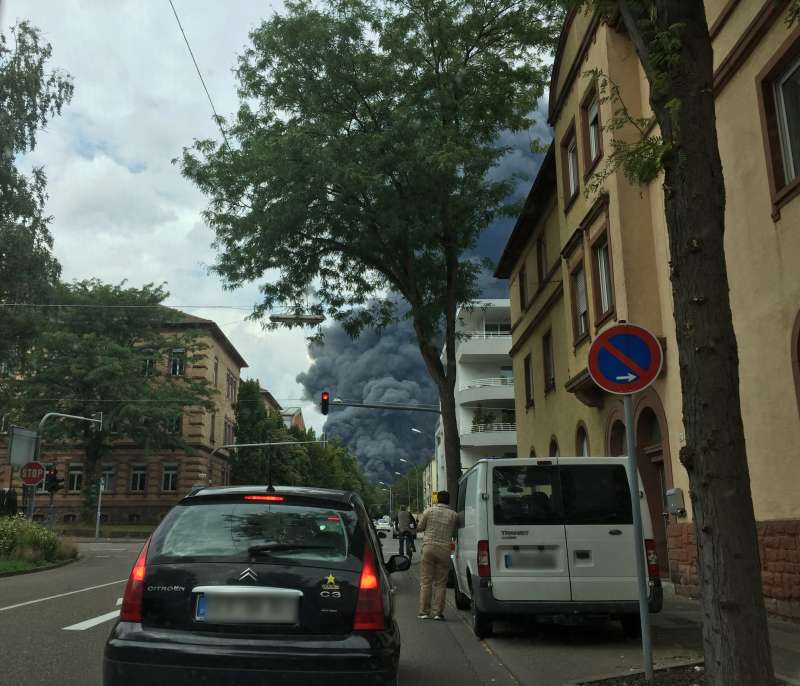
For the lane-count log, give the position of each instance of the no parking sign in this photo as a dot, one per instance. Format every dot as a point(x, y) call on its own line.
point(625, 359)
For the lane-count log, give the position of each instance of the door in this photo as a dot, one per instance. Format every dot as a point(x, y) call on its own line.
point(599, 529)
point(527, 542)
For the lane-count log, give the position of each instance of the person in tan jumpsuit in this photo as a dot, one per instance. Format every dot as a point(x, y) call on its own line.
point(439, 522)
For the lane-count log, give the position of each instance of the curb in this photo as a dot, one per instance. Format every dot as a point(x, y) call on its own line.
point(663, 668)
point(45, 568)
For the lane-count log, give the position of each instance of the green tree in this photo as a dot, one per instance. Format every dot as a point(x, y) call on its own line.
point(672, 41)
point(30, 96)
point(361, 158)
point(110, 349)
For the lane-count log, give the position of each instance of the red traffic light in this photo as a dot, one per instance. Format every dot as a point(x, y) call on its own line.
point(325, 401)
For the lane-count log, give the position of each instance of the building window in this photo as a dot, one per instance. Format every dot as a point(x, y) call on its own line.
point(548, 363)
point(603, 281)
point(75, 478)
point(177, 362)
point(523, 288)
point(107, 477)
point(554, 451)
point(528, 381)
point(169, 478)
point(213, 433)
point(138, 478)
point(593, 144)
point(569, 166)
point(148, 364)
point(216, 372)
point(174, 424)
point(541, 259)
point(230, 387)
point(572, 168)
point(579, 306)
point(47, 467)
point(507, 375)
point(497, 328)
point(582, 442)
point(229, 434)
point(787, 112)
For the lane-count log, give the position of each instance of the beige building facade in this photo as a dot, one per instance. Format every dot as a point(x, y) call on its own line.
point(581, 260)
point(140, 486)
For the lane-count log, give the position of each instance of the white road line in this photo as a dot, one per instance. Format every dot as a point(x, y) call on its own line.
point(61, 595)
point(94, 621)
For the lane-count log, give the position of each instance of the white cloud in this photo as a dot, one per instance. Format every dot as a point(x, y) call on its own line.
point(121, 209)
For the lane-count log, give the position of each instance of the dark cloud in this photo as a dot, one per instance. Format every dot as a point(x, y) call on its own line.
point(387, 366)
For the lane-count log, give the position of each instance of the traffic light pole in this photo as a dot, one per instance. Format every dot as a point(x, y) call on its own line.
point(387, 406)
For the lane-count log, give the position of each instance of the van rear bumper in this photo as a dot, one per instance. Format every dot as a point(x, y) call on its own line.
point(486, 602)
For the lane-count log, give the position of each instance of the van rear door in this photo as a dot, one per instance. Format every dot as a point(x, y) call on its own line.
point(599, 529)
point(528, 547)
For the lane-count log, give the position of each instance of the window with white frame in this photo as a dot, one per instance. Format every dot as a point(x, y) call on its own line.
point(230, 389)
point(787, 110)
point(47, 467)
point(605, 289)
point(107, 478)
point(169, 478)
point(593, 124)
point(75, 478)
point(177, 362)
point(572, 167)
point(138, 478)
point(579, 302)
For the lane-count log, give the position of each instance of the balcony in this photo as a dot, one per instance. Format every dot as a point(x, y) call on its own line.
point(480, 346)
point(498, 389)
point(494, 434)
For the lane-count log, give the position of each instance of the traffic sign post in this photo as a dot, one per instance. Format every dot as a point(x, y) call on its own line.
point(624, 360)
point(32, 474)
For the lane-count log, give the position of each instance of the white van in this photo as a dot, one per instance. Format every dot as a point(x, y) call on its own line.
point(552, 538)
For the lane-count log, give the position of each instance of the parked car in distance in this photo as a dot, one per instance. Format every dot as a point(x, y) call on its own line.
point(384, 528)
point(244, 585)
point(550, 538)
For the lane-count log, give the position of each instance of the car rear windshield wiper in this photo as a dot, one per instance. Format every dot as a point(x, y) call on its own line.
point(268, 548)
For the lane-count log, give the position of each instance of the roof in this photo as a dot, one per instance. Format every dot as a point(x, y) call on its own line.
point(271, 399)
point(543, 188)
point(291, 411)
point(189, 321)
point(321, 493)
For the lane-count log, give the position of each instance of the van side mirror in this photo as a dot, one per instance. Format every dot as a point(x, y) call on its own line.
point(398, 563)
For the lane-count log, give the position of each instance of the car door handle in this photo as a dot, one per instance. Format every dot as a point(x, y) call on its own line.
point(615, 532)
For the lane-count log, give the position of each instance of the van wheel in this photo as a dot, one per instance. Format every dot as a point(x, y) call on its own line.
point(462, 599)
point(631, 625)
point(481, 623)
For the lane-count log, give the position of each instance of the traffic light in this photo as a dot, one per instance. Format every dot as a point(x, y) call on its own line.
point(51, 481)
point(325, 401)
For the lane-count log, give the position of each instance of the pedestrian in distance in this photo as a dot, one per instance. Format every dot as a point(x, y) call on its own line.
point(403, 522)
point(439, 522)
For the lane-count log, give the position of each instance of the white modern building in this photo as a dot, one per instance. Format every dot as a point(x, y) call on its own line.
point(484, 386)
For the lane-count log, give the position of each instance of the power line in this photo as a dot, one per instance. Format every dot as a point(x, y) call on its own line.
point(130, 307)
point(202, 80)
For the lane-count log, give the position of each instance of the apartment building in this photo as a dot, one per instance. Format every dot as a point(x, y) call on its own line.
point(484, 386)
point(577, 262)
point(140, 485)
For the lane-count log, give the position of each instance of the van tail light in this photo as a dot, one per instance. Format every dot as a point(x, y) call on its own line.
point(369, 607)
point(652, 558)
point(132, 598)
point(484, 568)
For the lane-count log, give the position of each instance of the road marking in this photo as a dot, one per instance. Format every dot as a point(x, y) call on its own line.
point(94, 621)
point(61, 595)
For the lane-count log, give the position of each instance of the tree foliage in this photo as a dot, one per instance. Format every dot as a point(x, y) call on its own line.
point(30, 95)
point(361, 158)
point(106, 348)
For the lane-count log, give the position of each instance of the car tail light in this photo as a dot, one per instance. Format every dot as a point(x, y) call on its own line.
point(265, 498)
point(132, 598)
point(484, 568)
point(369, 608)
point(452, 546)
point(652, 558)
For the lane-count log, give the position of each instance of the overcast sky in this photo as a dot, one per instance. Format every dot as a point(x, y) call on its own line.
point(121, 209)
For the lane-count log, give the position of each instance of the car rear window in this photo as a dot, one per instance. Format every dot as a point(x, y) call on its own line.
point(526, 495)
point(596, 494)
point(269, 532)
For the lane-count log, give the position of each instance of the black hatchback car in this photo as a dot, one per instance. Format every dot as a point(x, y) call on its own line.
point(244, 585)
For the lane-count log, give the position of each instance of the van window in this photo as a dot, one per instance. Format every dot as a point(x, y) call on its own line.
point(526, 495)
point(596, 494)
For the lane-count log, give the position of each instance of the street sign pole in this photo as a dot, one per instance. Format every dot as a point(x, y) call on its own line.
point(638, 540)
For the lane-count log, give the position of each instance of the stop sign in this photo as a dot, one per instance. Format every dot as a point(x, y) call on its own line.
point(32, 473)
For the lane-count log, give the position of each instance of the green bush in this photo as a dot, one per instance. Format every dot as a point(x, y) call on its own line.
point(27, 540)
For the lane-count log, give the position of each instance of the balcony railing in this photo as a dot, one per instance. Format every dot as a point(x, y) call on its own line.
point(490, 381)
point(493, 426)
point(487, 334)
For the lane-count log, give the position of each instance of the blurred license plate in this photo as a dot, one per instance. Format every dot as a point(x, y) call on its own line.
point(244, 609)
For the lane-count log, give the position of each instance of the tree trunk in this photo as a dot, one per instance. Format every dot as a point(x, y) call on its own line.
point(735, 636)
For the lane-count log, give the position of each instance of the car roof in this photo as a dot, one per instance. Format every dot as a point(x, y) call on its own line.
point(328, 494)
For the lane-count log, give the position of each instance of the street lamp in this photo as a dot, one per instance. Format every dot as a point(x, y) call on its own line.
point(417, 479)
point(390, 494)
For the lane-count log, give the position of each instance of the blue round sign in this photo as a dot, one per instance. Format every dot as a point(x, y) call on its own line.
point(625, 359)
